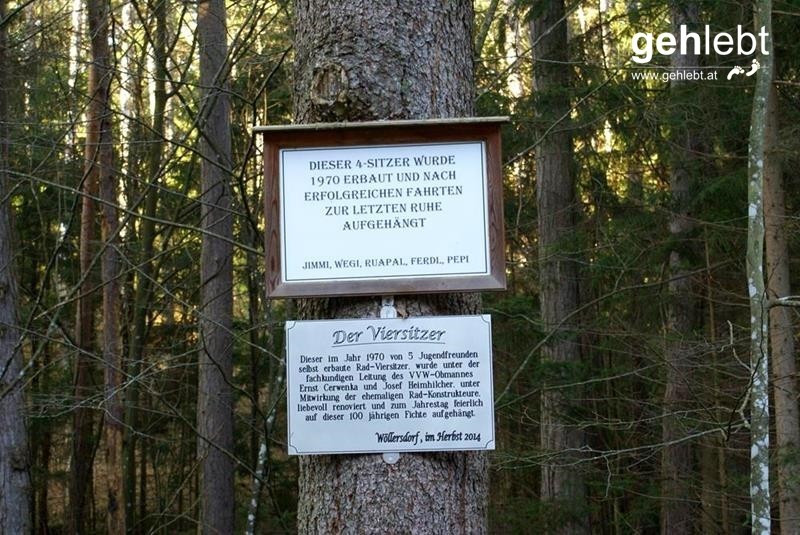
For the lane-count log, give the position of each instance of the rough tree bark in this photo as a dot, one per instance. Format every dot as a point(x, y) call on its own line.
point(781, 331)
point(359, 60)
point(214, 394)
point(677, 515)
point(562, 483)
point(15, 484)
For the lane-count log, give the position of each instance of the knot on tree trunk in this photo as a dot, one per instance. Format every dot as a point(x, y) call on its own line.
point(330, 93)
point(329, 84)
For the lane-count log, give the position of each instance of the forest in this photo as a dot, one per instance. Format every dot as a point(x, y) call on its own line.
point(644, 349)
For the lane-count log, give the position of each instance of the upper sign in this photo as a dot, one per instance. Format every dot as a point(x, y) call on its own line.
point(376, 212)
point(384, 207)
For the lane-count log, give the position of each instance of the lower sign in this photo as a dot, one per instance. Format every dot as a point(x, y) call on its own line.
point(386, 385)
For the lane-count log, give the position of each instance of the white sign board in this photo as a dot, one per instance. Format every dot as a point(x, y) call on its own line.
point(384, 211)
point(390, 385)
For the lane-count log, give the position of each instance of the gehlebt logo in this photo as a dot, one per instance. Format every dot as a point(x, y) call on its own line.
point(741, 43)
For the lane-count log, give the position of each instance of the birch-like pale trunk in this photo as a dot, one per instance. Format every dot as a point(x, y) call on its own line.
point(759, 313)
point(358, 60)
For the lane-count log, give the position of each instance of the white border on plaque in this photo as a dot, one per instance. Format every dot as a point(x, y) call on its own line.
point(384, 211)
point(389, 385)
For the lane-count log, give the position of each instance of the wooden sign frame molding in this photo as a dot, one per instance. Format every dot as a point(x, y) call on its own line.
point(337, 135)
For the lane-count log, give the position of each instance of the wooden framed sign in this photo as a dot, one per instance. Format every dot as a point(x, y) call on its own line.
point(385, 207)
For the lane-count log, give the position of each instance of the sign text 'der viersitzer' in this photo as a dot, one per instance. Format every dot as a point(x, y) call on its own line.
point(376, 385)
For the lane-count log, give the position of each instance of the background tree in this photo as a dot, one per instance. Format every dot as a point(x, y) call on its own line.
point(781, 331)
point(677, 515)
point(83, 440)
point(215, 443)
point(156, 39)
point(562, 479)
point(15, 485)
point(98, 14)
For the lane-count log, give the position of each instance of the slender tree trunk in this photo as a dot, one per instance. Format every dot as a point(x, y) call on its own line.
point(143, 291)
point(132, 73)
point(759, 316)
point(387, 60)
point(80, 474)
point(715, 514)
point(41, 448)
point(561, 482)
point(258, 351)
point(215, 398)
point(99, 14)
point(257, 342)
point(74, 104)
point(781, 330)
point(15, 484)
point(42, 519)
point(81, 468)
point(485, 26)
point(677, 515)
point(143, 451)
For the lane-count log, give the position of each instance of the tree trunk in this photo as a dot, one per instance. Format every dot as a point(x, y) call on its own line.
point(15, 484)
point(214, 395)
point(781, 331)
point(677, 515)
point(387, 60)
point(562, 483)
point(81, 468)
point(144, 285)
point(759, 316)
point(42, 517)
point(99, 14)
